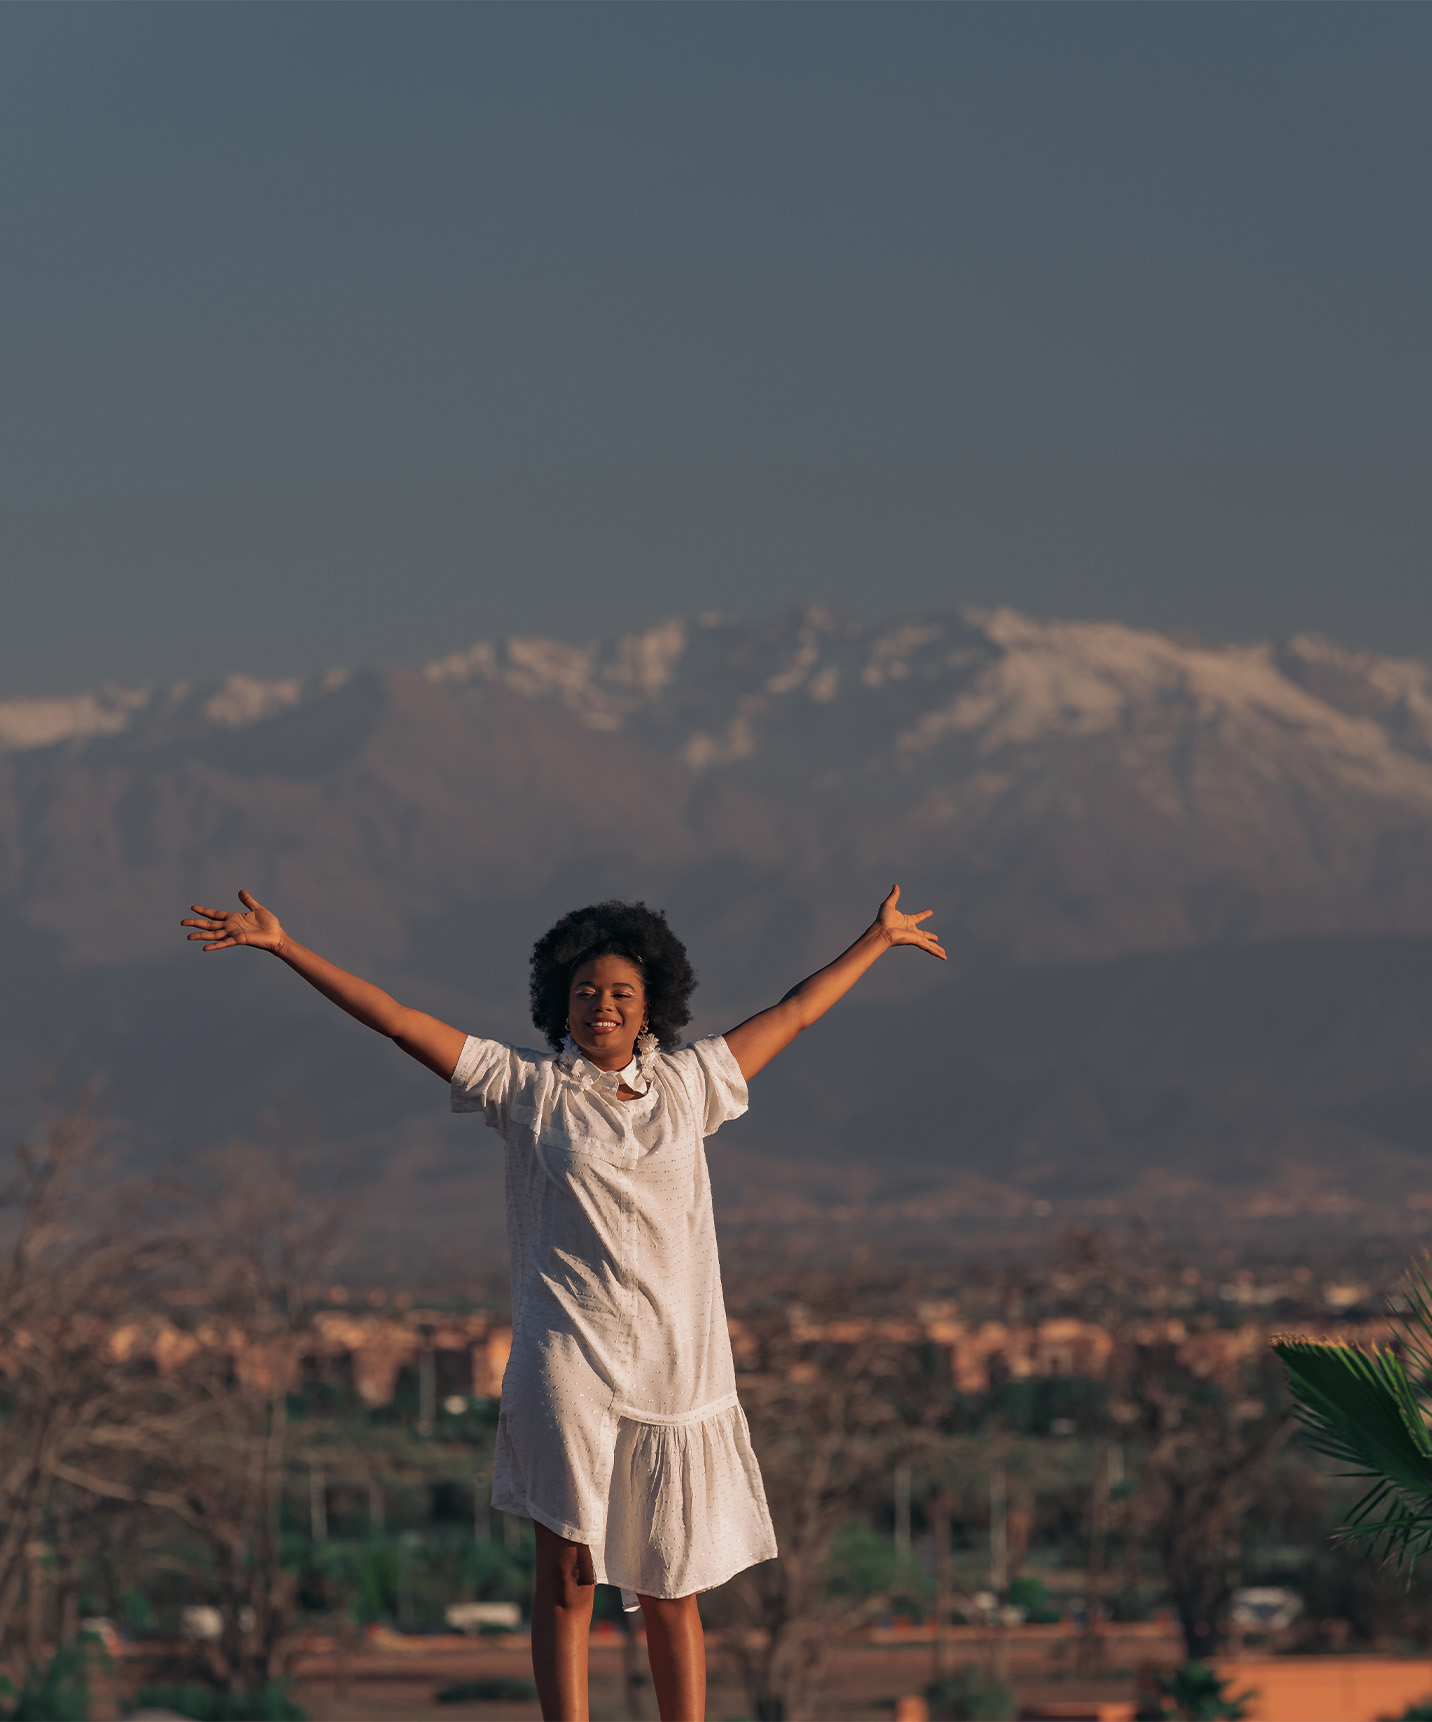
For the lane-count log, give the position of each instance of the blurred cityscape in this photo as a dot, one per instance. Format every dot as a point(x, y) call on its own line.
point(234, 1461)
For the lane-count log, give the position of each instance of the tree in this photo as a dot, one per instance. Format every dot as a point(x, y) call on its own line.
point(825, 1437)
point(208, 1442)
point(218, 1439)
point(79, 1258)
point(1209, 1443)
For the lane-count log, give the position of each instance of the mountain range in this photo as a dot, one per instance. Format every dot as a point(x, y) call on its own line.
point(1186, 888)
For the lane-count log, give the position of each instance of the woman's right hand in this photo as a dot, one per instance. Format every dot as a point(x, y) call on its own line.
point(256, 926)
point(433, 1043)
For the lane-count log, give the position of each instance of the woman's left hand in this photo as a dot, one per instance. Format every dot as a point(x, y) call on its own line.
point(901, 929)
point(755, 1042)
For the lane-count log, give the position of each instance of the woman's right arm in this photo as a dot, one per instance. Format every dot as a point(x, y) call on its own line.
point(433, 1043)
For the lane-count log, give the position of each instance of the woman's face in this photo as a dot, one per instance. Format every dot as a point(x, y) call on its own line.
point(606, 1010)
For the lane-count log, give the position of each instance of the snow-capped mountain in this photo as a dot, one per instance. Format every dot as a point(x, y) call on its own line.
point(1186, 887)
point(1068, 790)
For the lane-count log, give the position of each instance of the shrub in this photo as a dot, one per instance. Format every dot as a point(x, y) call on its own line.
point(57, 1693)
point(1030, 1595)
point(970, 1695)
point(499, 1691)
point(1195, 1693)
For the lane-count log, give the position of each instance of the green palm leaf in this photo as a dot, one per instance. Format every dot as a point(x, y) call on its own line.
point(1416, 1321)
point(1359, 1408)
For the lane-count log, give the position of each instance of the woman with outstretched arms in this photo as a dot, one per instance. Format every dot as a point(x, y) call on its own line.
point(620, 1435)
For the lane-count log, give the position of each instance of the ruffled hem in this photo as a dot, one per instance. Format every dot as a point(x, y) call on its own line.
point(686, 1509)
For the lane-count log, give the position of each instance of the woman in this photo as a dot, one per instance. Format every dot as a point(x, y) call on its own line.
point(620, 1435)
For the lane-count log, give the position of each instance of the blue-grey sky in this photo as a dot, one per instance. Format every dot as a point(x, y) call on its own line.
point(337, 334)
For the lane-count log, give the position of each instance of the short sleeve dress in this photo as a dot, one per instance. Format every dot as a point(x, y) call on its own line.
point(620, 1427)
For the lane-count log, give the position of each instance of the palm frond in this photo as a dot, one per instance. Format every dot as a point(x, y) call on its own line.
point(1358, 1407)
point(1416, 1320)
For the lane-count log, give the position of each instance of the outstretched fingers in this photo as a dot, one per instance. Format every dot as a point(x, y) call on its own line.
point(217, 936)
point(905, 929)
point(210, 926)
point(204, 918)
point(924, 937)
point(220, 929)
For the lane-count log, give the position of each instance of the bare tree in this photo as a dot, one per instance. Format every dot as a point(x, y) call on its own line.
point(825, 1438)
point(1209, 1444)
point(258, 1253)
point(79, 1258)
point(211, 1442)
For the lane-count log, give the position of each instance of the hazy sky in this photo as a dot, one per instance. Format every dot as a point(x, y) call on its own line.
point(337, 334)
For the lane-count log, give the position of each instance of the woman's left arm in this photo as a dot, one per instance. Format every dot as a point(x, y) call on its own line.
point(757, 1041)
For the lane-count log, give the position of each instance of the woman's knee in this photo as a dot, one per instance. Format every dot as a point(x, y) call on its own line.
point(672, 1612)
point(565, 1568)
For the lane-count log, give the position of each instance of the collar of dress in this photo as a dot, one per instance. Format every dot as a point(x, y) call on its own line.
point(637, 1076)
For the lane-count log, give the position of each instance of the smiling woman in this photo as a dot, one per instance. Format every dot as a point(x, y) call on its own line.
point(620, 1434)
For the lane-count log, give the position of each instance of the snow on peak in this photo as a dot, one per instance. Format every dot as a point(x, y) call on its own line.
point(238, 701)
point(26, 724)
point(602, 688)
point(243, 700)
point(983, 682)
point(1080, 678)
point(986, 680)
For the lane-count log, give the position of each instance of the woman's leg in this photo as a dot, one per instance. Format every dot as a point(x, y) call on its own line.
point(676, 1649)
point(561, 1620)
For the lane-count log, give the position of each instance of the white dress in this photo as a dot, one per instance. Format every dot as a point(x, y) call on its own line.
point(620, 1427)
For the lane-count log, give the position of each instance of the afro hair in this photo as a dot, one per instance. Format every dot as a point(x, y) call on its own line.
point(613, 929)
